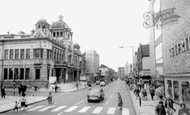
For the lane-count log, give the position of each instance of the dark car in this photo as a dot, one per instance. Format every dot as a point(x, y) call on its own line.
point(95, 95)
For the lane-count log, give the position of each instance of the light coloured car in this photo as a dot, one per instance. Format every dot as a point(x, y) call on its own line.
point(102, 83)
point(95, 95)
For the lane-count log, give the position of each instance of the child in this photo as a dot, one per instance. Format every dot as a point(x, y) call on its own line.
point(16, 106)
point(50, 102)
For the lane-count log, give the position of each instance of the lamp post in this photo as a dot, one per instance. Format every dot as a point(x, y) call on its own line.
point(132, 47)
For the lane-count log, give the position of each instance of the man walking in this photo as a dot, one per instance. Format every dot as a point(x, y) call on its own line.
point(160, 109)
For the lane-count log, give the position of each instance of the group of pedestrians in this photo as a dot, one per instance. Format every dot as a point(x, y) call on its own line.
point(3, 91)
point(22, 90)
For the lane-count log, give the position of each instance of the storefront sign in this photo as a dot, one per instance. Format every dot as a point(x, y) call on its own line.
point(144, 73)
point(181, 47)
point(160, 19)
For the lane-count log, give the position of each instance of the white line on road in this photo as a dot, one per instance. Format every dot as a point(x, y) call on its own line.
point(46, 108)
point(58, 108)
point(97, 110)
point(79, 102)
point(84, 109)
point(60, 113)
point(35, 108)
point(125, 111)
point(106, 102)
point(71, 109)
point(113, 93)
point(111, 110)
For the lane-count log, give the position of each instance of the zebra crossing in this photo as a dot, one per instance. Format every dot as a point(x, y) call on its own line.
point(84, 109)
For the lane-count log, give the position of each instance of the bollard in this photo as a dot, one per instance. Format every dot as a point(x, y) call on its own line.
point(139, 100)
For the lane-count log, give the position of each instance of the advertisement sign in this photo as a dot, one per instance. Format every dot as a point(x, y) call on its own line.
point(52, 79)
point(144, 73)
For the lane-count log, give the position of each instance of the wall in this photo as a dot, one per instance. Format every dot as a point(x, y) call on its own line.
point(146, 63)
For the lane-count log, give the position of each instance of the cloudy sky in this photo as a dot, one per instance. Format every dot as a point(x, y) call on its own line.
point(103, 25)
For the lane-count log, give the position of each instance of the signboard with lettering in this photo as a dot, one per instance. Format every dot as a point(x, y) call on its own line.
point(160, 19)
point(144, 73)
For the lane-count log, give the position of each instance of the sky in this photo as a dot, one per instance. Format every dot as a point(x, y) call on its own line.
point(102, 25)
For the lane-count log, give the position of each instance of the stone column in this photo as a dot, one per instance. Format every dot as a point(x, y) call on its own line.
point(166, 87)
point(172, 81)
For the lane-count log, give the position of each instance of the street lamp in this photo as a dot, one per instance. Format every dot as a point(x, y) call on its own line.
point(132, 53)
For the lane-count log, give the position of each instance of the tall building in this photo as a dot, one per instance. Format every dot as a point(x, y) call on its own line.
point(121, 72)
point(169, 25)
point(34, 59)
point(92, 61)
point(128, 68)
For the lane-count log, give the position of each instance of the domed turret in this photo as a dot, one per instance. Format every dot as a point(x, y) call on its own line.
point(76, 45)
point(60, 24)
point(42, 23)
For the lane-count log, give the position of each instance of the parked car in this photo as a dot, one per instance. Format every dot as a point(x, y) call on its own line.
point(97, 82)
point(95, 95)
point(102, 83)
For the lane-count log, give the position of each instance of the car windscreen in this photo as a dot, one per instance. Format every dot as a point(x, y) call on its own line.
point(97, 91)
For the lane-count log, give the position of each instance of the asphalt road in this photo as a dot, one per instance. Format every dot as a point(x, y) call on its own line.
point(75, 103)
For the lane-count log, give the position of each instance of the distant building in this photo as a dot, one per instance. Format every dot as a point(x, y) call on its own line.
point(121, 72)
point(128, 68)
point(106, 73)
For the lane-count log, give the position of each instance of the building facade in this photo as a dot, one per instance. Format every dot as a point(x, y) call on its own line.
point(170, 22)
point(33, 60)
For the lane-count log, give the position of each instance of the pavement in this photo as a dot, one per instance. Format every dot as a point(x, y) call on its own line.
point(7, 103)
point(148, 106)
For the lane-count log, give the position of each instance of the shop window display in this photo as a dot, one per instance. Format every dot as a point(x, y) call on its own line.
point(185, 91)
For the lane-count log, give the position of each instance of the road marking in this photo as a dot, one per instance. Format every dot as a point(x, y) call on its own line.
point(113, 93)
point(106, 102)
point(79, 102)
point(84, 109)
point(58, 108)
point(46, 108)
point(111, 110)
point(71, 109)
point(60, 113)
point(125, 111)
point(35, 108)
point(97, 110)
point(29, 107)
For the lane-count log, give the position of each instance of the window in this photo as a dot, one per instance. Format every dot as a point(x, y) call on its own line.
point(47, 55)
point(10, 73)
point(22, 54)
point(21, 73)
point(61, 34)
point(27, 53)
point(16, 53)
point(57, 34)
point(53, 34)
point(54, 55)
point(16, 73)
point(48, 70)
point(37, 74)
point(27, 73)
point(38, 53)
point(5, 73)
point(6, 54)
point(11, 54)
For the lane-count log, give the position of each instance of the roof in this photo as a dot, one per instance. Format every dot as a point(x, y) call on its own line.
point(103, 66)
point(42, 21)
point(60, 24)
point(144, 50)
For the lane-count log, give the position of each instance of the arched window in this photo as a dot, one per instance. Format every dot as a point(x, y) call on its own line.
point(61, 33)
point(38, 26)
point(57, 34)
point(53, 34)
point(43, 27)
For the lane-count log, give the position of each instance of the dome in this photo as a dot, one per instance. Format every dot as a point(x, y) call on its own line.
point(42, 21)
point(59, 24)
point(76, 45)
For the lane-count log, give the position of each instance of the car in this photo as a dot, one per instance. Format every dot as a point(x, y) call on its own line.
point(96, 94)
point(102, 83)
point(97, 82)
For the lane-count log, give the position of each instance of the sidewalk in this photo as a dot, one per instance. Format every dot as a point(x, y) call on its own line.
point(148, 106)
point(7, 104)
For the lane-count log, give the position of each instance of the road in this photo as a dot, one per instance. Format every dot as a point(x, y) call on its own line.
point(75, 103)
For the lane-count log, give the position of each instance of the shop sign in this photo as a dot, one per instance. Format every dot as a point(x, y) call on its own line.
point(181, 47)
point(144, 73)
point(160, 19)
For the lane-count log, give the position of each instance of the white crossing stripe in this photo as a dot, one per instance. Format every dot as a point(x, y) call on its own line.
point(97, 110)
point(111, 110)
point(29, 107)
point(58, 108)
point(84, 109)
point(35, 108)
point(125, 111)
point(71, 109)
point(46, 108)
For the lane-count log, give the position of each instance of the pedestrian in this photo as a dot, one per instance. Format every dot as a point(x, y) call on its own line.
point(183, 110)
point(169, 105)
point(56, 87)
point(160, 109)
point(152, 92)
point(16, 106)
point(23, 102)
point(20, 89)
point(50, 100)
point(3, 92)
point(120, 102)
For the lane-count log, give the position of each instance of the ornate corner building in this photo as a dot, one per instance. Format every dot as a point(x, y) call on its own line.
point(33, 59)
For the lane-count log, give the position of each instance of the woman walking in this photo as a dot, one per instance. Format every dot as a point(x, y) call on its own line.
point(169, 105)
point(120, 102)
point(50, 100)
point(23, 102)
